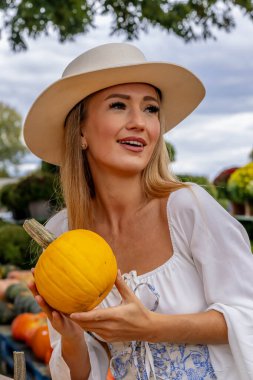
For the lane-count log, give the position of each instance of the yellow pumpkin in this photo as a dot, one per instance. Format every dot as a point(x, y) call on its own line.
point(76, 271)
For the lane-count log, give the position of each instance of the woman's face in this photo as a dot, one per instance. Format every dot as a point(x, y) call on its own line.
point(122, 128)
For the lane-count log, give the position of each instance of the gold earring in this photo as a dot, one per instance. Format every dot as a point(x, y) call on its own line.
point(84, 145)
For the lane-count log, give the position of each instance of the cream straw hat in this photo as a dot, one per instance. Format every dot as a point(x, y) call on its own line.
point(104, 66)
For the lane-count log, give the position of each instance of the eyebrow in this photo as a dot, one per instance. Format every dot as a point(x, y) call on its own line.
point(127, 97)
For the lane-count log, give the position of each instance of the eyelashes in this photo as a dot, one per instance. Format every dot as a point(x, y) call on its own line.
point(117, 105)
point(153, 109)
point(122, 106)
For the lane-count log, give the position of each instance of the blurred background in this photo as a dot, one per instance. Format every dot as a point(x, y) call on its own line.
point(213, 146)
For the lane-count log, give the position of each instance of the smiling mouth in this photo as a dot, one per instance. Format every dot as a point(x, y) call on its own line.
point(131, 143)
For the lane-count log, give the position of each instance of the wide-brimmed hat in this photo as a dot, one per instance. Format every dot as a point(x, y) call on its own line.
point(101, 67)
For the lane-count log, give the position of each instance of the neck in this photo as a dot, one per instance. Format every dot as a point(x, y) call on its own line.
point(117, 198)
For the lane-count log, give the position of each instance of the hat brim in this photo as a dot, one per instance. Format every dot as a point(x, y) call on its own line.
point(43, 130)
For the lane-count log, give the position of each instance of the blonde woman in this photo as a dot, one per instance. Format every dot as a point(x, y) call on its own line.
point(183, 306)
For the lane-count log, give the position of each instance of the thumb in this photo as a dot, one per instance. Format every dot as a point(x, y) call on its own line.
point(124, 290)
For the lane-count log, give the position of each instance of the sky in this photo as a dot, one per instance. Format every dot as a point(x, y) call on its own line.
point(216, 136)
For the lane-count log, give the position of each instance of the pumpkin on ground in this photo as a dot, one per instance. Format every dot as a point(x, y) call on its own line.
point(5, 269)
point(4, 284)
point(7, 313)
point(40, 343)
point(24, 324)
point(21, 297)
point(76, 271)
point(25, 302)
point(14, 289)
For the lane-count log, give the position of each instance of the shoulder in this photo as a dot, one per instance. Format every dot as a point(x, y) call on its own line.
point(189, 198)
point(194, 206)
point(58, 223)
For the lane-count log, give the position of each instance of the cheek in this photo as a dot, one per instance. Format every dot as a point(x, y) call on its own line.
point(155, 132)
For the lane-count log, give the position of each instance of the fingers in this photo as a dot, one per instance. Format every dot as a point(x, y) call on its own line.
point(125, 292)
point(32, 287)
point(41, 302)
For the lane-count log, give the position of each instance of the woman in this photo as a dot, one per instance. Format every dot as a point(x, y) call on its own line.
point(183, 307)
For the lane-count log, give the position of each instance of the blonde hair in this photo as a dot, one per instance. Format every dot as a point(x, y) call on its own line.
point(76, 179)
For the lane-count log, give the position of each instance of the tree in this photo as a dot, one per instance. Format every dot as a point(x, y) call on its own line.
point(171, 151)
point(188, 19)
point(11, 148)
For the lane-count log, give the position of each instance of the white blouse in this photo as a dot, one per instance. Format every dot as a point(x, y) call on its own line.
point(211, 268)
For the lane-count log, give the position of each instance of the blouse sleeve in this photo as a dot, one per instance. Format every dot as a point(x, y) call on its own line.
point(220, 249)
point(98, 356)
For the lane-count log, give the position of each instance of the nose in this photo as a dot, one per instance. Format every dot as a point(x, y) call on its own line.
point(136, 120)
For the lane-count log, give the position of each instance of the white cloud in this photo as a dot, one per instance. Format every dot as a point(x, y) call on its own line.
point(207, 144)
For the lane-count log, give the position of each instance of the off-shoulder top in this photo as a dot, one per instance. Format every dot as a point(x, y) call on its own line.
point(211, 268)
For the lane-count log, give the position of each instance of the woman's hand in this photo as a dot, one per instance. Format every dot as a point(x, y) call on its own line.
point(62, 324)
point(128, 321)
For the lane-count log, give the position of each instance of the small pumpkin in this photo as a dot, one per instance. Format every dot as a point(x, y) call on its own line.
point(7, 313)
point(23, 324)
point(4, 284)
point(5, 269)
point(76, 271)
point(14, 290)
point(25, 303)
point(22, 298)
point(40, 343)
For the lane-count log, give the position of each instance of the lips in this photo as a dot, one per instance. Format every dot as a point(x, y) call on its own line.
point(133, 141)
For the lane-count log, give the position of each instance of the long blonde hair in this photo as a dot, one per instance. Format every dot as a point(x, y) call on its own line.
point(76, 179)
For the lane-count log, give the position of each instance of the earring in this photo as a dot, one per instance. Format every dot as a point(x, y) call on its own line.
point(84, 145)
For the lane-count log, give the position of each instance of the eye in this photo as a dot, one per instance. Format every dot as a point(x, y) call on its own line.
point(152, 109)
point(117, 105)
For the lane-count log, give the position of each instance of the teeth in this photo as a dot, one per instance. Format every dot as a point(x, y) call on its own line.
point(134, 143)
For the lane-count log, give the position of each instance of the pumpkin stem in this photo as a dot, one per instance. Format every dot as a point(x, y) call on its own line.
point(38, 232)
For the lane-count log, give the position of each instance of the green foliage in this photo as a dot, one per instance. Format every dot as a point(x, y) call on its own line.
point(200, 180)
point(190, 20)
point(240, 184)
point(14, 247)
point(37, 186)
point(11, 148)
point(4, 223)
point(221, 181)
point(49, 168)
point(8, 199)
point(4, 173)
point(171, 151)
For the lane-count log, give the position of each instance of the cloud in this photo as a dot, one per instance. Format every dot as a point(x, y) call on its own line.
point(211, 143)
point(218, 134)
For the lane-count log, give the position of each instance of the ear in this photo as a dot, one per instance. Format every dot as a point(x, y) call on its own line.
point(83, 141)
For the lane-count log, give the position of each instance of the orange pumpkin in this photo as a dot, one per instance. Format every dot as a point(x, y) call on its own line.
point(23, 324)
point(76, 271)
point(48, 355)
point(40, 343)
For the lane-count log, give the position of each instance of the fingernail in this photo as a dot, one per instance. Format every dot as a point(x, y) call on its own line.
point(119, 272)
point(74, 316)
point(54, 314)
